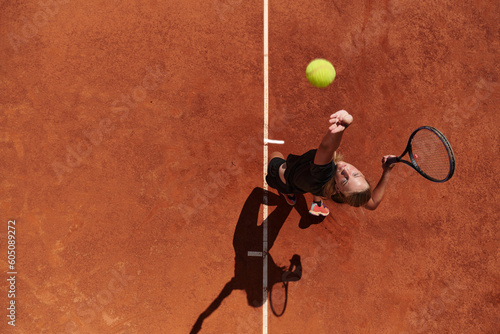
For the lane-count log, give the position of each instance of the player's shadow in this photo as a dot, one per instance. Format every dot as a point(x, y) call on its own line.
point(248, 237)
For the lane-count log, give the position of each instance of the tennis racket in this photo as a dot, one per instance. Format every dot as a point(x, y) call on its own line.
point(430, 154)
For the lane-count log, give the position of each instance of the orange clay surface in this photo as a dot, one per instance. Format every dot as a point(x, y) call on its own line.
point(131, 159)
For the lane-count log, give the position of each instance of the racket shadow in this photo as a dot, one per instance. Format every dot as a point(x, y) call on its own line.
point(278, 293)
point(248, 237)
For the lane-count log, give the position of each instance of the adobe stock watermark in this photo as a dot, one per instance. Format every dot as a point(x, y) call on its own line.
point(421, 321)
point(324, 249)
point(251, 324)
point(462, 113)
point(119, 111)
point(248, 150)
point(12, 272)
point(90, 309)
point(30, 26)
point(377, 25)
point(225, 7)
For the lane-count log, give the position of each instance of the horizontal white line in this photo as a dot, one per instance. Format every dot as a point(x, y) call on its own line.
point(272, 141)
point(250, 253)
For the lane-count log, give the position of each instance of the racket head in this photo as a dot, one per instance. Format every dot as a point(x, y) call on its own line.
point(278, 296)
point(431, 154)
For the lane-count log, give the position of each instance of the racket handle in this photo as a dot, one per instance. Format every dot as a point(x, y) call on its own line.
point(392, 160)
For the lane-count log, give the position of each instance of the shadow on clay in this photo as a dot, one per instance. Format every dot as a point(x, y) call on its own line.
point(306, 219)
point(248, 237)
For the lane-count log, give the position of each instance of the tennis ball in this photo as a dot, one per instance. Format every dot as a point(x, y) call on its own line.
point(320, 73)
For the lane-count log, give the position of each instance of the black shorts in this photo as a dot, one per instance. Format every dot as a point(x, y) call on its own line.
point(273, 176)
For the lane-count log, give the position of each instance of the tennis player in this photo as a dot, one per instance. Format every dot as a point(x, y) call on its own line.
point(323, 173)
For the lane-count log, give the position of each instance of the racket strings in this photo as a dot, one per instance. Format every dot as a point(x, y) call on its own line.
point(431, 154)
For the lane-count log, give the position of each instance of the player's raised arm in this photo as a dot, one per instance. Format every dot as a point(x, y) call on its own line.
point(379, 191)
point(331, 141)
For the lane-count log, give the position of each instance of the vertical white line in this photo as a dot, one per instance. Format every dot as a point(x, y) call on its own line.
point(266, 134)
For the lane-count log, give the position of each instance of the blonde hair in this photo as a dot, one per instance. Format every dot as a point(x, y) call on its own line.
point(355, 199)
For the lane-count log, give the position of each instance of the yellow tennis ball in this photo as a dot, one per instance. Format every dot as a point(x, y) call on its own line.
point(320, 73)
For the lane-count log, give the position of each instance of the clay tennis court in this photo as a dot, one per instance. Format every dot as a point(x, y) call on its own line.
point(132, 162)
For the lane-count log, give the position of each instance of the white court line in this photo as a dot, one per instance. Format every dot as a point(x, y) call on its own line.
point(252, 253)
point(273, 141)
point(266, 134)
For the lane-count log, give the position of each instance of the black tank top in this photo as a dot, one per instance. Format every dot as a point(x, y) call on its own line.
point(303, 176)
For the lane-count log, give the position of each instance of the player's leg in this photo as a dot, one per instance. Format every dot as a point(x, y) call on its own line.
point(289, 198)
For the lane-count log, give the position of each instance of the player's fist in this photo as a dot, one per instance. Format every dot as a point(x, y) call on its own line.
point(388, 162)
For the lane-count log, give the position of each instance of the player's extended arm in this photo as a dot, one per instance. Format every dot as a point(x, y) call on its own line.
point(379, 191)
point(331, 141)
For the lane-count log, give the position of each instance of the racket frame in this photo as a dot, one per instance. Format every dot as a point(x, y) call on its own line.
point(412, 163)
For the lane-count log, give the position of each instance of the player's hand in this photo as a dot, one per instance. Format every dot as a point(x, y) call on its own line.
point(387, 166)
point(340, 121)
